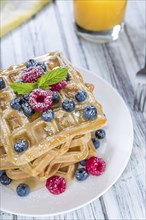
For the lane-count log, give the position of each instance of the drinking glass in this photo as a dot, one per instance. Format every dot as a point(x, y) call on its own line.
point(99, 21)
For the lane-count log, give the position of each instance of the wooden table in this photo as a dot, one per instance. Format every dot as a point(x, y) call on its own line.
point(52, 29)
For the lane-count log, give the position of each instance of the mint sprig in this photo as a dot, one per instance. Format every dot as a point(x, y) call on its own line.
point(44, 82)
point(22, 88)
point(52, 77)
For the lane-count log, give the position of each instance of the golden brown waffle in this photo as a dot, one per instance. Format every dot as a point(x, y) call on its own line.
point(44, 136)
point(65, 164)
point(47, 165)
point(78, 150)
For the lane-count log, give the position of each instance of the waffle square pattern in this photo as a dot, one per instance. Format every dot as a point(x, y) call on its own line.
point(54, 147)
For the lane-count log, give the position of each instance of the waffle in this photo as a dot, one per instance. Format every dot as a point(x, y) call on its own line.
point(47, 165)
point(43, 137)
point(35, 173)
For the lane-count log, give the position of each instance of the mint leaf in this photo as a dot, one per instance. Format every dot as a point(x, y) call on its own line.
point(52, 77)
point(44, 82)
point(22, 88)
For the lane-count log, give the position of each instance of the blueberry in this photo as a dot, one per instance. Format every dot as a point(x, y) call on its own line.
point(30, 63)
point(2, 172)
point(5, 180)
point(20, 146)
point(81, 174)
point(26, 97)
point(81, 96)
point(90, 112)
point(27, 110)
point(68, 105)
point(2, 83)
point(96, 143)
point(42, 65)
point(16, 103)
point(100, 134)
point(23, 190)
point(67, 77)
point(82, 162)
point(55, 97)
point(48, 115)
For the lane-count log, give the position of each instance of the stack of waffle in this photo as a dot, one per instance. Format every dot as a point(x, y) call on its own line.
point(55, 147)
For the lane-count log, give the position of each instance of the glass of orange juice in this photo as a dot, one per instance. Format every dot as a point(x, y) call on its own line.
point(99, 20)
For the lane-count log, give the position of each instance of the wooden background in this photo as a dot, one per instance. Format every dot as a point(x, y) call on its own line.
point(52, 29)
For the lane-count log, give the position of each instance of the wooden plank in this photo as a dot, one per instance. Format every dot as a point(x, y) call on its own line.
point(64, 13)
point(6, 55)
point(135, 29)
point(32, 39)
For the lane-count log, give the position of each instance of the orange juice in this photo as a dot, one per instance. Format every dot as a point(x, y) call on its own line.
point(99, 15)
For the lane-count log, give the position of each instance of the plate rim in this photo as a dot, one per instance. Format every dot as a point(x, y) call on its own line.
point(118, 176)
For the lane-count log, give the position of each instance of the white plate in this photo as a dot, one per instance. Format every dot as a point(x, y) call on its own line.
point(116, 151)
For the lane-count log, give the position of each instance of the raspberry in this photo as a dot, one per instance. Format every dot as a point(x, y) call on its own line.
point(56, 185)
point(59, 86)
point(41, 100)
point(32, 74)
point(95, 166)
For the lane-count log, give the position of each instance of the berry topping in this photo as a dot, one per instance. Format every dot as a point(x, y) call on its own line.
point(55, 97)
point(56, 185)
point(16, 103)
point(27, 110)
point(48, 115)
point(90, 112)
point(68, 105)
point(67, 77)
point(82, 162)
point(41, 100)
point(81, 174)
point(32, 74)
point(2, 172)
point(96, 143)
point(42, 65)
point(81, 96)
point(4, 179)
point(20, 146)
point(100, 134)
point(22, 190)
point(59, 86)
point(26, 97)
point(95, 166)
point(2, 83)
point(30, 63)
